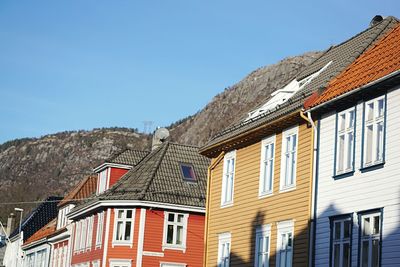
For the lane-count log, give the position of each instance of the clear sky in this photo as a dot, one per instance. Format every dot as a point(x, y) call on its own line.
point(69, 65)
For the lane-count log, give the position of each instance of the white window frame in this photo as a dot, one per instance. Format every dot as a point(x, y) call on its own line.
point(84, 226)
point(77, 236)
point(103, 180)
point(289, 155)
point(284, 227)
point(99, 231)
point(89, 235)
point(175, 224)
point(342, 240)
point(263, 232)
point(344, 158)
point(374, 122)
point(223, 239)
point(228, 180)
point(116, 242)
point(120, 263)
point(370, 237)
point(267, 180)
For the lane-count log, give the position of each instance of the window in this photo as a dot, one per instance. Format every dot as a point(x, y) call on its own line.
point(188, 172)
point(82, 243)
point(289, 158)
point(228, 178)
point(166, 264)
point(77, 235)
point(99, 232)
point(102, 181)
point(285, 244)
point(345, 122)
point(374, 124)
point(224, 250)
point(89, 232)
point(175, 226)
point(123, 227)
point(96, 263)
point(263, 246)
point(341, 241)
point(267, 166)
point(370, 242)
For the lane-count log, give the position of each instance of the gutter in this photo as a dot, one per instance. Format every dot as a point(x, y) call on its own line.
point(314, 149)
point(390, 75)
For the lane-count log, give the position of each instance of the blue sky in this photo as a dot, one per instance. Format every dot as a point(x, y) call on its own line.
point(69, 65)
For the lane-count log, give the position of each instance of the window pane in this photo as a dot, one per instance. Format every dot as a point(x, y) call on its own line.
point(260, 244)
point(375, 253)
point(364, 251)
point(370, 111)
point(120, 213)
point(368, 146)
point(342, 122)
point(128, 214)
point(180, 217)
point(128, 231)
point(367, 226)
point(346, 255)
point(266, 244)
point(119, 230)
point(347, 229)
point(349, 162)
point(179, 235)
point(170, 234)
point(341, 153)
point(171, 217)
point(376, 225)
point(337, 230)
point(379, 141)
point(351, 119)
point(290, 241)
point(380, 107)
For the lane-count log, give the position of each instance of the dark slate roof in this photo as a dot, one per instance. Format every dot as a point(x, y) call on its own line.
point(128, 157)
point(341, 55)
point(39, 217)
point(158, 178)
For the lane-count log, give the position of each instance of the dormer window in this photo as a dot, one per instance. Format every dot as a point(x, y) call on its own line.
point(62, 219)
point(188, 172)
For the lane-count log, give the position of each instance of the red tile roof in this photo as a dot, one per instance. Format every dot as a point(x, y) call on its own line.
point(377, 62)
point(45, 231)
point(84, 189)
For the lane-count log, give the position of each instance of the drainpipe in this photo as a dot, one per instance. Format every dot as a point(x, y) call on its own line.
point(314, 142)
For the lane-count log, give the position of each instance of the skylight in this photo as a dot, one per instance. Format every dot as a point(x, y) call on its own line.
point(188, 172)
point(280, 96)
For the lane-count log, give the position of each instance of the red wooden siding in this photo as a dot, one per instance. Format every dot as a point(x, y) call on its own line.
point(115, 175)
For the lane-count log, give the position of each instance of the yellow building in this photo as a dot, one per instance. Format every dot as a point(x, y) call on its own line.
point(260, 198)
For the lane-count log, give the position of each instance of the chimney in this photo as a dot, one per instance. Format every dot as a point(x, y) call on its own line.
point(159, 136)
point(10, 224)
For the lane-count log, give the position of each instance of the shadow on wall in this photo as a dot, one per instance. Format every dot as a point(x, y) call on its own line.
point(259, 220)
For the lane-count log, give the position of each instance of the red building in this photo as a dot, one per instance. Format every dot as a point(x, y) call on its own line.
point(152, 216)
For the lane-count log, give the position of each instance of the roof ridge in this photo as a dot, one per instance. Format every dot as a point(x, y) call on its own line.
point(163, 150)
point(185, 145)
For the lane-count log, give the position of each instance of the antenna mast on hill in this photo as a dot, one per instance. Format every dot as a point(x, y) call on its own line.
point(147, 126)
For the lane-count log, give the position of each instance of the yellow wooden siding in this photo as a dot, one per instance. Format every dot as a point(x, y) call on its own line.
point(249, 211)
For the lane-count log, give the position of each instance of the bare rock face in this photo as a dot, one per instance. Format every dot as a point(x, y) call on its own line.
point(236, 101)
point(34, 168)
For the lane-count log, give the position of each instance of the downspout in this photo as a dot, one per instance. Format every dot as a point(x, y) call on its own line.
point(314, 148)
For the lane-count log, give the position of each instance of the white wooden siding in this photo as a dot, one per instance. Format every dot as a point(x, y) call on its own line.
point(378, 188)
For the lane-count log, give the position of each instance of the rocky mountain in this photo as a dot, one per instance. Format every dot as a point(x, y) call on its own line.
point(33, 168)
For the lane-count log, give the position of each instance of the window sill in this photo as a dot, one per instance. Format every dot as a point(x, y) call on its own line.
point(265, 195)
point(122, 244)
point(172, 247)
point(287, 189)
point(372, 167)
point(226, 205)
point(342, 175)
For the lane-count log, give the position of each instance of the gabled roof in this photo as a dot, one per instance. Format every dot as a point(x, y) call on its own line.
point(39, 217)
point(377, 62)
point(44, 232)
point(340, 55)
point(128, 157)
point(158, 178)
point(84, 189)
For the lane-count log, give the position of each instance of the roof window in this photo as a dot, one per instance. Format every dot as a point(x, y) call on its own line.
point(188, 172)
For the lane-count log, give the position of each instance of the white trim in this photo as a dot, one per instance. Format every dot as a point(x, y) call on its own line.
point(116, 242)
point(228, 156)
point(133, 203)
point(112, 165)
point(153, 254)
point(184, 234)
point(106, 237)
point(142, 224)
point(266, 141)
point(118, 262)
point(173, 264)
point(288, 132)
point(108, 178)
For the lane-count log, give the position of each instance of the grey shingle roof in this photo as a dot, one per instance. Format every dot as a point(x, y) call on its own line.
point(158, 178)
point(341, 56)
point(128, 157)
